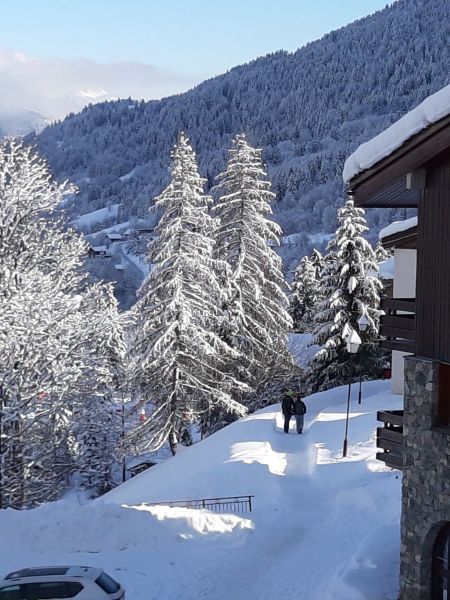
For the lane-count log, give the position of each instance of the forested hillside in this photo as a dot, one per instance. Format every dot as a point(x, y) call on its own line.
point(308, 110)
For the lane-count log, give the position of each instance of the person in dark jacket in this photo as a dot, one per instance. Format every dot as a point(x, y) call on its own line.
point(299, 409)
point(287, 407)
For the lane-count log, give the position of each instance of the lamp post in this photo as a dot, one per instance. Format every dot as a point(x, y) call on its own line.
point(363, 323)
point(353, 342)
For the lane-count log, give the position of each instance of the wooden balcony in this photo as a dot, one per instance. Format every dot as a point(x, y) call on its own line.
point(398, 324)
point(390, 438)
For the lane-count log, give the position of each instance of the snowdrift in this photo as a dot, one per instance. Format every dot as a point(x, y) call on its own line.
point(323, 527)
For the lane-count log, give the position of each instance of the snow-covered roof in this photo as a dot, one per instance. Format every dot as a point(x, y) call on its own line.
point(398, 227)
point(431, 110)
point(115, 236)
point(99, 248)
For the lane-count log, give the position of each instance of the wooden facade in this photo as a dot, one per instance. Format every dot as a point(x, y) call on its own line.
point(433, 265)
point(385, 185)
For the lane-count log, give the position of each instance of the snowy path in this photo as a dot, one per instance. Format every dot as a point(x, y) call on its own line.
point(323, 528)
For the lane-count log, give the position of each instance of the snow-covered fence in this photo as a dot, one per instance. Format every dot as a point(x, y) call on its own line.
point(240, 504)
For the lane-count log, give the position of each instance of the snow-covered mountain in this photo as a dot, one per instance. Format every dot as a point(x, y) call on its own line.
point(308, 110)
point(21, 123)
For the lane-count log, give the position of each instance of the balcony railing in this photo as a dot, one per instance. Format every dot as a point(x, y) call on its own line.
point(390, 438)
point(239, 504)
point(398, 324)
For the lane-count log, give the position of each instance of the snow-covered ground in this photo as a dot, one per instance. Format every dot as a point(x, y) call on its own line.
point(97, 216)
point(323, 527)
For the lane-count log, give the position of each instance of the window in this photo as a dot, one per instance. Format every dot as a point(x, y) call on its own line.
point(441, 566)
point(107, 583)
point(38, 572)
point(12, 592)
point(52, 589)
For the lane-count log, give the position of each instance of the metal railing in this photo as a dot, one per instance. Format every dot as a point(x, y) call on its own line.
point(240, 504)
point(390, 438)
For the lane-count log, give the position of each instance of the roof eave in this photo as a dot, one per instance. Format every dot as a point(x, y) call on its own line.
point(384, 184)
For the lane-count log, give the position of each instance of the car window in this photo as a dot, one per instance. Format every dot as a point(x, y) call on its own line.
point(107, 583)
point(12, 592)
point(52, 590)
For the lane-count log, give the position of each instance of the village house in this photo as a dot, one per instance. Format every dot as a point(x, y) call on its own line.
point(408, 166)
point(401, 239)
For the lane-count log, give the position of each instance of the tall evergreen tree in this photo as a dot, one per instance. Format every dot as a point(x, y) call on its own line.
point(258, 303)
point(179, 361)
point(350, 289)
point(304, 297)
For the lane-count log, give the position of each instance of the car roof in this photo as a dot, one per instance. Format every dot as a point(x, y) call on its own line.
point(55, 572)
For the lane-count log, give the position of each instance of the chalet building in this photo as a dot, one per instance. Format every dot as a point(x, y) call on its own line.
point(114, 237)
point(98, 252)
point(401, 239)
point(408, 165)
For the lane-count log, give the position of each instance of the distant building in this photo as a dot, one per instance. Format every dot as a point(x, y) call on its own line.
point(98, 251)
point(408, 165)
point(114, 237)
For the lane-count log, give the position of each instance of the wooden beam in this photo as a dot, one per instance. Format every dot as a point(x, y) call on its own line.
point(391, 435)
point(399, 345)
point(405, 304)
point(394, 417)
point(397, 333)
point(416, 180)
point(399, 321)
point(395, 462)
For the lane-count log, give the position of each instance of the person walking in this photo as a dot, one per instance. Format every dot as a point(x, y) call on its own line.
point(287, 407)
point(299, 409)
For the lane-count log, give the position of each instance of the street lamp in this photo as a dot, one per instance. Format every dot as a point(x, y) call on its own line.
point(353, 342)
point(363, 323)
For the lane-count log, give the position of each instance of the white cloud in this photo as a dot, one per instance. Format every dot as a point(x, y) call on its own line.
point(56, 87)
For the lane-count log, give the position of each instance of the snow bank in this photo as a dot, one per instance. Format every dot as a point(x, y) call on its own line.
point(398, 227)
point(431, 110)
point(67, 528)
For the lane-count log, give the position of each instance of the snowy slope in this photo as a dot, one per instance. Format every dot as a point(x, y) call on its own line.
point(97, 216)
point(323, 528)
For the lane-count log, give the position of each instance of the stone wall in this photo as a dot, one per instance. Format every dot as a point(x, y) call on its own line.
point(426, 478)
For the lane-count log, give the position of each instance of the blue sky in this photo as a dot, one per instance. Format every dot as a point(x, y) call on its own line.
point(57, 55)
point(198, 37)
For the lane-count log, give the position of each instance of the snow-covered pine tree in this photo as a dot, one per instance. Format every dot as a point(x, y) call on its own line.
point(257, 306)
point(96, 426)
point(350, 289)
point(381, 254)
point(179, 361)
point(304, 297)
point(318, 263)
